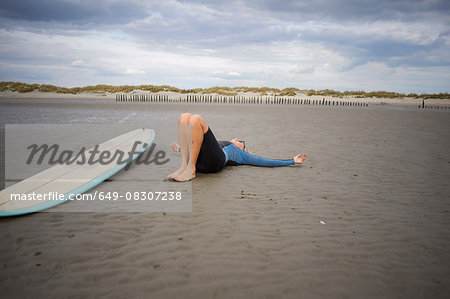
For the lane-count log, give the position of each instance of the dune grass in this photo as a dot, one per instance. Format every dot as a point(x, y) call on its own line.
point(222, 90)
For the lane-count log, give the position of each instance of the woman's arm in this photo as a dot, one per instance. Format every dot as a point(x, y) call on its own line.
point(238, 156)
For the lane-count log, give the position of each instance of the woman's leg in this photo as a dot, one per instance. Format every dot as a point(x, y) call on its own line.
point(198, 128)
point(184, 138)
point(191, 129)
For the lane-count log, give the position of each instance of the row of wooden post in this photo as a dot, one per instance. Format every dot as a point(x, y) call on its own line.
point(159, 98)
point(423, 106)
point(434, 107)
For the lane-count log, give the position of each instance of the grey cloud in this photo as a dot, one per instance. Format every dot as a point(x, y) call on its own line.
point(99, 12)
point(388, 48)
point(114, 12)
point(208, 26)
point(353, 11)
point(45, 10)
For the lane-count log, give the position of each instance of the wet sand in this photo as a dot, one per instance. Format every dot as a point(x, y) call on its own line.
point(366, 216)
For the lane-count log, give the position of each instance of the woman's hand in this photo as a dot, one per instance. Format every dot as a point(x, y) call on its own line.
point(175, 147)
point(299, 158)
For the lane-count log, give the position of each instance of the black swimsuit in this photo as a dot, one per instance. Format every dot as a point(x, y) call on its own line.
point(211, 158)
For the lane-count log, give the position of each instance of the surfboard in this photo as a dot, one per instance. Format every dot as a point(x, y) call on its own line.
point(68, 180)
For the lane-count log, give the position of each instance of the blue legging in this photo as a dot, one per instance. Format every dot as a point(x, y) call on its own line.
point(236, 156)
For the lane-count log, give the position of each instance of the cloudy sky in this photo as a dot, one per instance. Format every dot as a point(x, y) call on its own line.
point(366, 45)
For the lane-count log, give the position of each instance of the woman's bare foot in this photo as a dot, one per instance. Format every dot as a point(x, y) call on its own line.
point(187, 175)
point(173, 175)
point(299, 158)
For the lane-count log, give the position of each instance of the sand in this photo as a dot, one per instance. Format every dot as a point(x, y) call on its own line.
point(54, 95)
point(366, 216)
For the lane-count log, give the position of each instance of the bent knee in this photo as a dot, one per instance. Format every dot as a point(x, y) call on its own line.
point(184, 118)
point(198, 120)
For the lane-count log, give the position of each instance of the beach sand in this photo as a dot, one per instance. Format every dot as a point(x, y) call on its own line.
point(366, 216)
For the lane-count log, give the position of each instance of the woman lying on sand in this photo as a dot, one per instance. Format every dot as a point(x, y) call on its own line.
point(208, 155)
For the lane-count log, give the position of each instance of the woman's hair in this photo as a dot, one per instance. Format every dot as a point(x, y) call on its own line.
point(245, 146)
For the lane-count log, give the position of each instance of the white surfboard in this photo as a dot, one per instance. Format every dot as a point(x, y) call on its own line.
point(72, 179)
